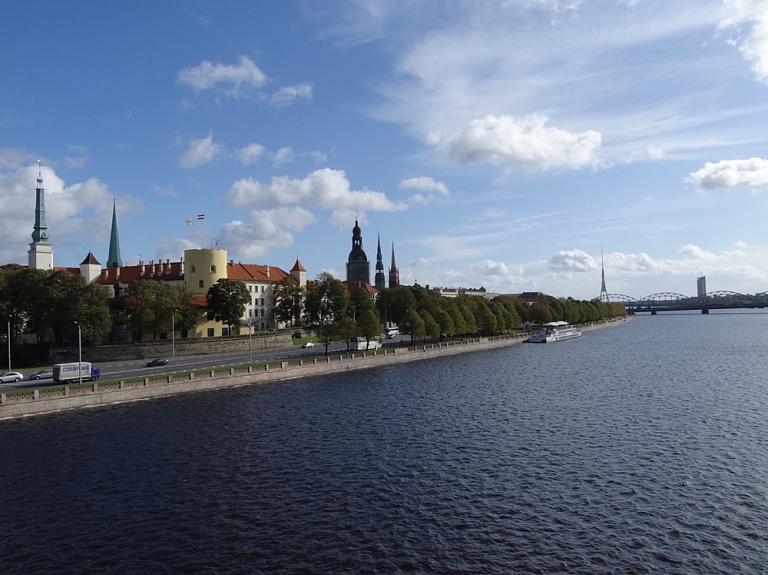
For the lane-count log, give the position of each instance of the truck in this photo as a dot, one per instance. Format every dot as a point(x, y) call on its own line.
point(67, 372)
point(359, 344)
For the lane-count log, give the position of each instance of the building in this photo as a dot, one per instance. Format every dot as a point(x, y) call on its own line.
point(394, 272)
point(453, 292)
point(358, 266)
point(701, 286)
point(379, 281)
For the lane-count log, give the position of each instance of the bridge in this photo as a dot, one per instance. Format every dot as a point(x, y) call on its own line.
point(668, 301)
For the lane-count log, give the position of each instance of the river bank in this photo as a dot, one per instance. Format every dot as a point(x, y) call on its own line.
point(42, 401)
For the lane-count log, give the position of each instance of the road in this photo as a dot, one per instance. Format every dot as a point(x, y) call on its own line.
point(138, 368)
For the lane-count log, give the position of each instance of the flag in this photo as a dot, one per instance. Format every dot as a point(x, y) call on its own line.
point(189, 222)
point(201, 216)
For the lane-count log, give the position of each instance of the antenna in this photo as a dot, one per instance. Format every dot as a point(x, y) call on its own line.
point(603, 290)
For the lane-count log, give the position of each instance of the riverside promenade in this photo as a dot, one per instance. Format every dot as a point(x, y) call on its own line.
point(51, 400)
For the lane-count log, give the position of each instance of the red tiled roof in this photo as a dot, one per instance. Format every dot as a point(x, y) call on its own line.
point(352, 286)
point(254, 272)
point(90, 259)
point(297, 267)
point(130, 274)
point(75, 271)
point(200, 301)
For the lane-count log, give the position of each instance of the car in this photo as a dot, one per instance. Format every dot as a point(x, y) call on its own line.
point(45, 374)
point(307, 345)
point(157, 362)
point(10, 376)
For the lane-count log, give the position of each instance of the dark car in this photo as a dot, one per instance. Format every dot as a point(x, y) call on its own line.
point(156, 362)
point(45, 374)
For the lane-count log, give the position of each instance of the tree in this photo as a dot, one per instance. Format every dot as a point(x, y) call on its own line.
point(288, 301)
point(346, 329)
point(459, 325)
point(431, 329)
point(445, 322)
point(359, 303)
point(541, 313)
point(368, 326)
point(149, 306)
point(412, 324)
point(469, 319)
point(326, 304)
point(186, 314)
point(227, 300)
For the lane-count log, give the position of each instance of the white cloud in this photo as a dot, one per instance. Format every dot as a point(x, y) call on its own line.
point(572, 261)
point(208, 75)
point(287, 94)
point(282, 156)
point(14, 159)
point(318, 157)
point(76, 214)
point(754, 47)
point(323, 189)
point(78, 161)
point(425, 184)
point(525, 142)
point(725, 174)
point(200, 152)
point(264, 230)
point(249, 154)
point(169, 191)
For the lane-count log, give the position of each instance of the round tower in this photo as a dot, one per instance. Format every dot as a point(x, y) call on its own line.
point(203, 268)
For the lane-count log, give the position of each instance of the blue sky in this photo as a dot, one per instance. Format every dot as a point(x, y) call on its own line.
point(496, 143)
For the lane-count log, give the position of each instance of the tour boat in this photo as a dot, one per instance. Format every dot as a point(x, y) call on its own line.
point(555, 331)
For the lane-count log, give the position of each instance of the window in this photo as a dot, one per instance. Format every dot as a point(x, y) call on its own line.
point(250, 288)
point(224, 331)
point(210, 332)
point(201, 284)
point(262, 313)
point(262, 325)
point(193, 270)
point(262, 289)
point(213, 269)
point(262, 302)
point(250, 313)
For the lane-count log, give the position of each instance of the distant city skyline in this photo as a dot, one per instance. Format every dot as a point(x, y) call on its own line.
point(497, 144)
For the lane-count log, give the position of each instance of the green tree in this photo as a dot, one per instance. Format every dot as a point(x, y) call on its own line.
point(149, 306)
point(368, 326)
point(186, 314)
point(445, 322)
point(459, 324)
point(227, 300)
point(346, 329)
point(431, 329)
point(289, 301)
point(359, 303)
point(469, 319)
point(412, 324)
point(541, 313)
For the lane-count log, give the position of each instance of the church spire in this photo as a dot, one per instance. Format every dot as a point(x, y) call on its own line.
point(40, 251)
point(378, 281)
point(394, 273)
point(603, 291)
point(113, 259)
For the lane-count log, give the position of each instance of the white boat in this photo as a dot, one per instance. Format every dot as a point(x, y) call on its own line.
point(555, 331)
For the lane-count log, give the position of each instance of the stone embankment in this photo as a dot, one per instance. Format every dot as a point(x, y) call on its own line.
point(60, 399)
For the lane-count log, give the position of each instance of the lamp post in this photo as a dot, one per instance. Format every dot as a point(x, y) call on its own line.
point(250, 348)
point(9, 346)
point(173, 336)
point(79, 355)
point(274, 318)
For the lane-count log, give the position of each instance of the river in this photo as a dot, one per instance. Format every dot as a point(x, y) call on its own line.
point(641, 448)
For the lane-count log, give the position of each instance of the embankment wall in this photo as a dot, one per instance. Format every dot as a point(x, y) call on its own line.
point(43, 401)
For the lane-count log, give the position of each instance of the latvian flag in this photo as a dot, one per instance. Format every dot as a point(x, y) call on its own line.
point(200, 216)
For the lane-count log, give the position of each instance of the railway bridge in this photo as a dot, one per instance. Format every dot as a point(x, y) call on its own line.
point(668, 301)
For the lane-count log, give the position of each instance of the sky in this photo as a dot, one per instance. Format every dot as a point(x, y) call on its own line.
point(508, 144)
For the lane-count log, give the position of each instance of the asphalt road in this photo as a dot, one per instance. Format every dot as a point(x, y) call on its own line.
point(138, 368)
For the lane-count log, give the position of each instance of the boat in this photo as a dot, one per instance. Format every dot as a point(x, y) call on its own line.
point(555, 331)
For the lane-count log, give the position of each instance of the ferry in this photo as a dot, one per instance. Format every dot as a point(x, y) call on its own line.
point(555, 331)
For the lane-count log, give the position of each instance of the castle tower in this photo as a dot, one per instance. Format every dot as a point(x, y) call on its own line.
point(394, 273)
point(603, 291)
point(90, 268)
point(203, 268)
point(358, 266)
point(40, 250)
point(113, 259)
point(378, 281)
point(299, 273)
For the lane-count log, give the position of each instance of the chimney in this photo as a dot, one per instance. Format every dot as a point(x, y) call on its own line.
point(231, 262)
point(143, 269)
point(267, 271)
point(168, 266)
point(151, 268)
point(181, 267)
point(106, 274)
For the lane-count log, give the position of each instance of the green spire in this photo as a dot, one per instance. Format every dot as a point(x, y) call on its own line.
point(113, 259)
point(40, 232)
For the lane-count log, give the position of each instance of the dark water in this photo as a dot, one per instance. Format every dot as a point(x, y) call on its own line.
point(636, 449)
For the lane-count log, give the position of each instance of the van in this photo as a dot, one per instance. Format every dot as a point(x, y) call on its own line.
point(392, 332)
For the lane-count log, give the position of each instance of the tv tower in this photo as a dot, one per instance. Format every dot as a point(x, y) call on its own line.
point(603, 291)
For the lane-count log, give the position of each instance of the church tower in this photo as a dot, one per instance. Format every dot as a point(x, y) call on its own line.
point(113, 259)
point(40, 250)
point(358, 266)
point(379, 283)
point(603, 291)
point(394, 273)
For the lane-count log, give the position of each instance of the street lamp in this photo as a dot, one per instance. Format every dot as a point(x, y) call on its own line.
point(9, 346)
point(250, 348)
point(173, 336)
point(79, 355)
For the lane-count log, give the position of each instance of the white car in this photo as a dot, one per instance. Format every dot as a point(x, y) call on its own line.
point(10, 376)
point(307, 345)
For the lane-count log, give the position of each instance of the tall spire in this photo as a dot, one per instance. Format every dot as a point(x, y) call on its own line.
point(40, 232)
point(603, 291)
point(113, 259)
point(379, 282)
point(394, 273)
point(40, 251)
